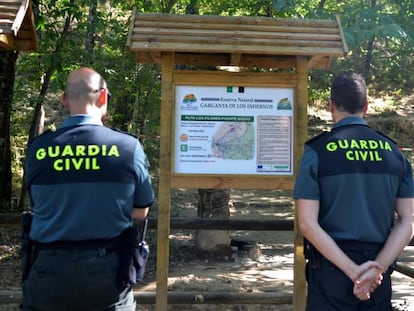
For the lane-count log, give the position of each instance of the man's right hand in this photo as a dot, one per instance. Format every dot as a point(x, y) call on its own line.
point(368, 280)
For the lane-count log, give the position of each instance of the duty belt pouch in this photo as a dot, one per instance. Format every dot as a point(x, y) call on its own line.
point(27, 245)
point(312, 255)
point(133, 256)
point(142, 255)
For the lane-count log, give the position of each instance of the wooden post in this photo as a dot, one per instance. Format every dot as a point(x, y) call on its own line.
point(164, 197)
point(301, 119)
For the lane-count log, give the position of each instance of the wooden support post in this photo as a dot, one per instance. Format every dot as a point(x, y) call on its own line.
point(301, 119)
point(164, 198)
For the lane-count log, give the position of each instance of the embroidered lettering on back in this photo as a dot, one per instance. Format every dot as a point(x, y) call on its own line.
point(360, 149)
point(77, 157)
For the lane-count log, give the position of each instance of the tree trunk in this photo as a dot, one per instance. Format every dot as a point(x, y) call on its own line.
point(370, 49)
point(168, 5)
point(90, 34)
point(7, 72)
point(37, 123)
point(192, 7)
point(213, 204)
point(320, 8)
point(368, 60)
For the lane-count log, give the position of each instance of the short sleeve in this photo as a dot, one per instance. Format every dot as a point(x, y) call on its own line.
point(144, 194)
point(307, 183)
point(406, 189)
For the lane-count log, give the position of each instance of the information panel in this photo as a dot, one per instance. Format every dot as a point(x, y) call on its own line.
point(233, 130)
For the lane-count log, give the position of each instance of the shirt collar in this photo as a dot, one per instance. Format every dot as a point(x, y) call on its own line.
point(351, 120)
point(80, 119)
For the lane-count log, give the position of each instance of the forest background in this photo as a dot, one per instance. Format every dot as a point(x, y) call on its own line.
point(93, 33)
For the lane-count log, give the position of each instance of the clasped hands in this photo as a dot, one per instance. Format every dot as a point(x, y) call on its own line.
point(369, 277)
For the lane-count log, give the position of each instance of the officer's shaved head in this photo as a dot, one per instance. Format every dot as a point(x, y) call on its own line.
point(83, 86)
point(86, 92)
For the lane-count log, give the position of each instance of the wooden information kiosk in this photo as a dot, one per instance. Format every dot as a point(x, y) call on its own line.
point(265, 101)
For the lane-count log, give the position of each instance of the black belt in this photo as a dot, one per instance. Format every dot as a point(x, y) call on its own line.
point(359, 245)
point(109, 244)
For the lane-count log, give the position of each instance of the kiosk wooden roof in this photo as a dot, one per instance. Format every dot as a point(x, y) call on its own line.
point(17, 29)
point(235, 41)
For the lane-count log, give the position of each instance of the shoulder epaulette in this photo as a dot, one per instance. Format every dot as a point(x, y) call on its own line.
point(317, 137)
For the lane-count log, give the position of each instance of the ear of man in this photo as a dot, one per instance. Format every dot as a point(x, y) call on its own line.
point(64, 101)
point(364, 112)
point(103, 95)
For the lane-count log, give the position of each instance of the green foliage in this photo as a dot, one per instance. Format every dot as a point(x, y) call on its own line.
point(379, 37)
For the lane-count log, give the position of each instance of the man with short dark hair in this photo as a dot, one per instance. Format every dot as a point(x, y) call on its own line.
point(351, 183)
point(87, 183)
